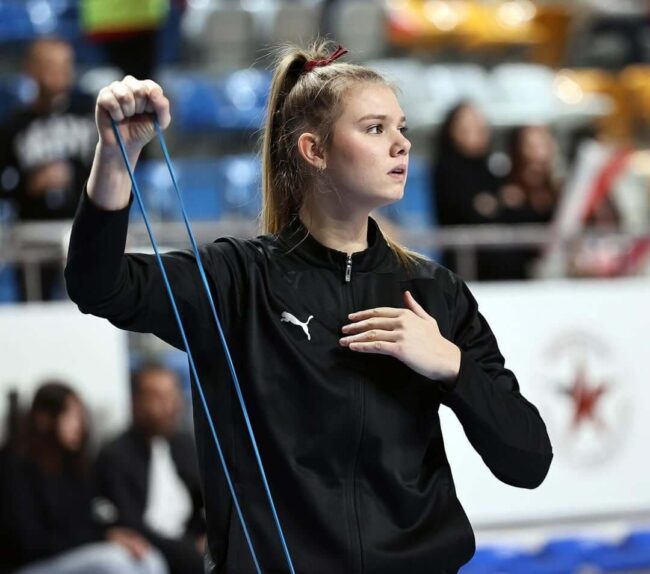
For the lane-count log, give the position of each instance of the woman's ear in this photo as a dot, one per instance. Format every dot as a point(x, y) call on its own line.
point(309, 146)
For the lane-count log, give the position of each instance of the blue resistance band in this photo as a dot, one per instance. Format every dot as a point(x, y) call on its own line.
point(199, 387)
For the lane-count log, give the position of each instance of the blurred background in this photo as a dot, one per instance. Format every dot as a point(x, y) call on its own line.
point(529, 176)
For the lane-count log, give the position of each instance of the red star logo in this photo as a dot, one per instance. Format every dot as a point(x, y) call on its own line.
point(585, 398)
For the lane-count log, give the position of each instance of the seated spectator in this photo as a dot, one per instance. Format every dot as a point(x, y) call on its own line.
point(47, 499)
point(150, 473)
point(46, 148)
point(464, 185)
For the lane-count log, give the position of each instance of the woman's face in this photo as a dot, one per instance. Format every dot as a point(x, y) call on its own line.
point(367, 157)
point(536, 146)
point(469, 132)
point(71, 425)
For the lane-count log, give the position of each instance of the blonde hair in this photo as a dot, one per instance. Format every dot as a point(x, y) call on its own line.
point(299, 102)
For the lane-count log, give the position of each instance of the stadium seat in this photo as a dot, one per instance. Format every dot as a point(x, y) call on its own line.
point(243, 96)
point(294, 22)
point(198, 181)
point(492, 559)
point(446, 85)
point(226, 39)
point(8, 284)
point(235, 101)
point(15, 22)
point(15, 90)
point(239, 184)
point(523, 93)
point(361, 26)
point(572, 547)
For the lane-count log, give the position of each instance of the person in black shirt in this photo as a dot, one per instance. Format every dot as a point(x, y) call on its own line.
point(49, 511)
point(149, 472)
point(464, 184)
point(346, 344)
point(46, 147)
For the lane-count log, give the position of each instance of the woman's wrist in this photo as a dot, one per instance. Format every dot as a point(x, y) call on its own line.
point(109, 184)
point(450, 367)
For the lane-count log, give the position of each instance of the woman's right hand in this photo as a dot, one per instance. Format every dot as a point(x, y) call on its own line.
point(131, 103)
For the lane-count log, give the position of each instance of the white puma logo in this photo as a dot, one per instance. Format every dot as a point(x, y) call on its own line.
point(289, 318)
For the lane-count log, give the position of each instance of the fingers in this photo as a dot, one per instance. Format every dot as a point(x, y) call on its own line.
point(130, 97)
point(415, 306)
point(377, 347)
point(376, 312)
point(159, 103)
point(374, 335)
point(107, 101)
point(372, 323)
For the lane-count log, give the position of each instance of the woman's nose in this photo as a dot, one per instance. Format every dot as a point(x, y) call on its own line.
point(402, 146)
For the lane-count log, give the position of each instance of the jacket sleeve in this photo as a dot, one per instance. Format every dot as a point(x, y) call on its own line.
point(502, 426)
point(128, 289)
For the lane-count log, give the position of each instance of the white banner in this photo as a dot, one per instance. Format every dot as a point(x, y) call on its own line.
point(580, 351)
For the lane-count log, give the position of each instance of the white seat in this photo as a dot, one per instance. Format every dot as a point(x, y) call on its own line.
point(522, 94)
point(294, 22)
point(226, 40)
point(360, 26)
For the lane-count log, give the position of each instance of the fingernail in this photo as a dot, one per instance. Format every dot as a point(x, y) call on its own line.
point(345, 328)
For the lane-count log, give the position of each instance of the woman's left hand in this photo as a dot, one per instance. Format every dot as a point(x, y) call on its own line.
point(410, 335)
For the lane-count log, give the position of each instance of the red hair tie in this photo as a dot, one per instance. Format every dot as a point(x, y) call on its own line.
point(311, 64)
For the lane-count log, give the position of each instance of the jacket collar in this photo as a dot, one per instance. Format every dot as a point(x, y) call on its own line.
point(296, 237)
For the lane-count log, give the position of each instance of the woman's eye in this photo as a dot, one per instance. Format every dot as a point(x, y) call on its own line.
point(377, 129)
point(404, 129)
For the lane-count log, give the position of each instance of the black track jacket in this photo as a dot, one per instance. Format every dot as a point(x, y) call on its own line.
point(351, 442)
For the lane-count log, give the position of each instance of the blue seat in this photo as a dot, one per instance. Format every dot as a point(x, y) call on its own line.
point(15, 22)
point(543, 565)
point(8, 284)
point(240, 185)
point(492, 559)
point(243, 96)
point(198, 181)
point(194, 102)
point(236, 101)
point(633, 553)
point(15, 90)
point(572, 547)
point(620, 559)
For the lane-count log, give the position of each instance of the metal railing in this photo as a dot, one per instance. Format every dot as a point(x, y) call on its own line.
point(30, 244)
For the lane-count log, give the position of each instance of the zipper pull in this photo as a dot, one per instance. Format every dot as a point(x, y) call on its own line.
point(348, 268)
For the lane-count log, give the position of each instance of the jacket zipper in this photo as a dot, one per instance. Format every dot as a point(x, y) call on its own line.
point(355, 485)
point(359, 397)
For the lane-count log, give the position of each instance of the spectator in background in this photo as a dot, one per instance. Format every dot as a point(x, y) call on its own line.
point(48, 502)
point(127, 30)
point(465, 187)
point(530, 192)
point(46, 147)
point(529, 195)
point(150, 473)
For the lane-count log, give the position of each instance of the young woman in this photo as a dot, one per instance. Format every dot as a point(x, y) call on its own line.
point(47, 499)
point(345, 343)
point(464, 185)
